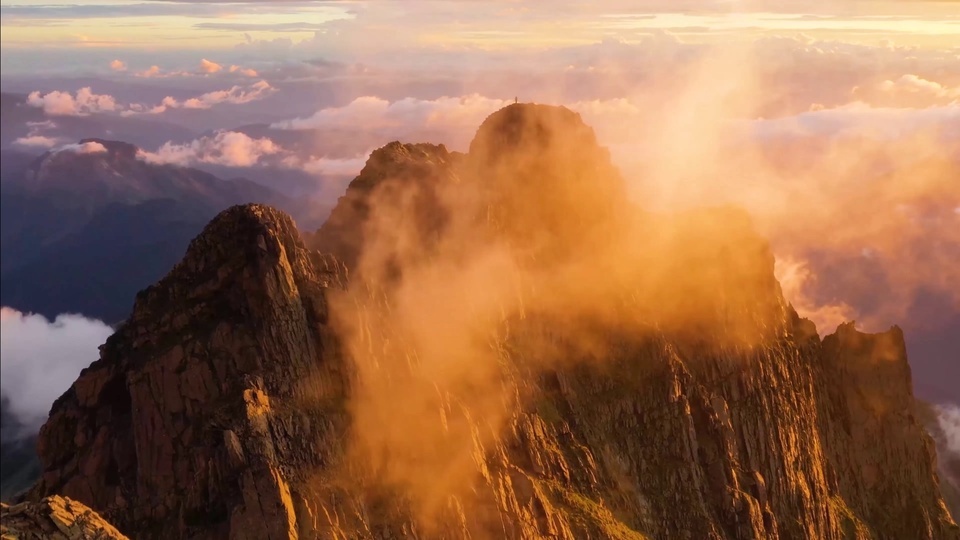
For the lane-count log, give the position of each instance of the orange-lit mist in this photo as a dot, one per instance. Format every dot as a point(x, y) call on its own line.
point(864, 191)
point(530, 257)
point(537, 252)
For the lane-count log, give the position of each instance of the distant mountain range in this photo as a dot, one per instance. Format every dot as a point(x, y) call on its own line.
point(27, 131)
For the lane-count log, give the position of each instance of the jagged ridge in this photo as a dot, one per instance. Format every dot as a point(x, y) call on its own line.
point(220, 409)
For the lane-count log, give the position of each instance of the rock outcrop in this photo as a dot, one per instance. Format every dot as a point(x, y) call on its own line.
point(413, 171)
point(54, 518)
point(226, 406)
point(188, 424)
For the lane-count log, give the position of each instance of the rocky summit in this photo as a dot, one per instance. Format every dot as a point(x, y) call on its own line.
point(237, 401)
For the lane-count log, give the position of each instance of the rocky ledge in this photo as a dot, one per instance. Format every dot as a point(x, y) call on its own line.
point(54, 518)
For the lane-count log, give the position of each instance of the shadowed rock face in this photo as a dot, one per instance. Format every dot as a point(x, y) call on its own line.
point(176, 430)
point(221, 408)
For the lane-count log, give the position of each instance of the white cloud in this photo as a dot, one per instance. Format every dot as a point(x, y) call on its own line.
point(152, 71)
point(617, 120)
point(208, 67)
point(204, 68)
point(85, 102)
point(229, 148)
point(861, 119)
point(35, 137)
point(796, 281)
point(39, 126)
point(118, 65)
point(235, 95)
point(948, 443)
point(912, 84)
point(909, 90)
point(374, 113)
point(246, 72)
point(40, 359)
point(36, 141)
point(235, 149)
point(329, 166)
point(91, 147)
point(948, 417)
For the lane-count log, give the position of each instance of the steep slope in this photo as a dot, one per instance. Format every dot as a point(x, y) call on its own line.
point(85, 227)
point(871, 377)
point(203, 452)
point(663, 391)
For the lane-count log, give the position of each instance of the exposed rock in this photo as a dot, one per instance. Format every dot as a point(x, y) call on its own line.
point(413, 171)
point(221, 351)
point(54, 518)
point(869, 400)
point(221, 409)
point(542, 173)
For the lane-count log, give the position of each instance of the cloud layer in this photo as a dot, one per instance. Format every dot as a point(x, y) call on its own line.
point(91, 147)
point(85, 102)
point(236, 149)
point(840, 145)
point(229, 148)
point(949, 420)
point(40, 359)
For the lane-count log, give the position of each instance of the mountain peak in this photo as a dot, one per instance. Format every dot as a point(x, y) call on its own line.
point(533, 171)
point(240, 322)
point(394, 172)
point(516, 126)
point(401, 161)
point(234, 403)
point(545, 178)
point(243, 243)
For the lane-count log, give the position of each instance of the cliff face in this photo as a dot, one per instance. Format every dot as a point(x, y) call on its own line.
point(188, 423)
point(257, 393)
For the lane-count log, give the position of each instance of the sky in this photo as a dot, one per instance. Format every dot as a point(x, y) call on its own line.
point(36, 33)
